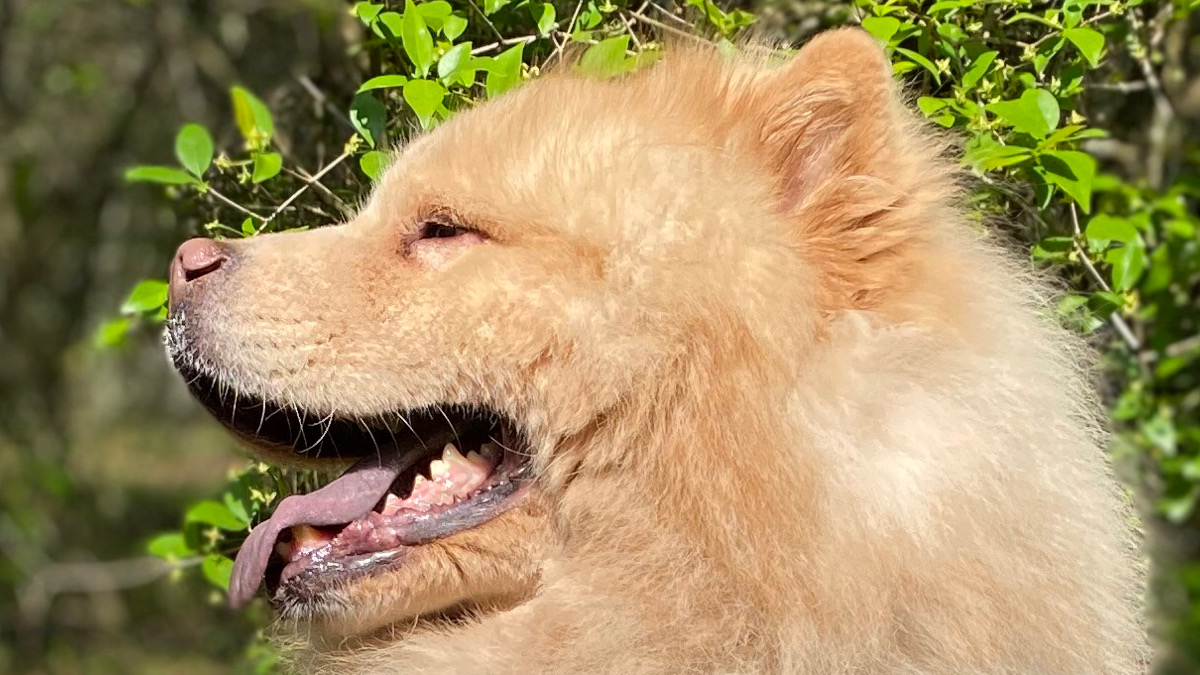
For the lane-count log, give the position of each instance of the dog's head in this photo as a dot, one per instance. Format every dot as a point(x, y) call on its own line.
point(566, 263)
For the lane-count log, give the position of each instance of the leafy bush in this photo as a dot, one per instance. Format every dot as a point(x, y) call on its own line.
point(1030, 87)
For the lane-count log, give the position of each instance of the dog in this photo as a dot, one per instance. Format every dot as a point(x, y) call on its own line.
point(699, 369)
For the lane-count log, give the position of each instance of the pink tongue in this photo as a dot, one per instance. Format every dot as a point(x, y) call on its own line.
point(350, 497)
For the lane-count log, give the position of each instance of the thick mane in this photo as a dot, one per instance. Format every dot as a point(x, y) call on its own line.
point(892, 462)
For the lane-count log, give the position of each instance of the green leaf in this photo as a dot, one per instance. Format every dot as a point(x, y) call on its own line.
point(374, 163)
point(1036, 113)
point(985, 154)
point(923, 62)
point(493, 6)
point(881, 27)
point(111, 333)
point(248, 227)
point(1026, 16)
point(147, 296)
point(944, 6)
point(1053, 248)
point(1128, 264)
point(167, 175)
point(217, 569)
point(368, 115)
point(1104, 227)
point(504, 71)
point(169, 546)
point(236, 507)
point(457, 56)
point(367, 11)
point(978, 69)
point(434, 13)
point(266, 166)
point(453, 27)
point(1160, 431)
point(389, 26)
point(1089, 42)
point(252, 117)
point(1073, 171)
point(214, 513)
point(930, 105)
point(543, 15)
point(418, 43)
point(194, 148)
point(424, 96)
point(606, 58)
point(382, 82)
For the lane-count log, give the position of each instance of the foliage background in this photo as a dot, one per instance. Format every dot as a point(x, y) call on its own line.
point(130, 125)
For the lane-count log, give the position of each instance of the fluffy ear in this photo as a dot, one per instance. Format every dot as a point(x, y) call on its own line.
point(848, 166)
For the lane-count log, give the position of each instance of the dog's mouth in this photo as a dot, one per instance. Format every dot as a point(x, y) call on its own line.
point(418, 476)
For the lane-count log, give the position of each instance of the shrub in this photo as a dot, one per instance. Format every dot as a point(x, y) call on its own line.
point(1034, 89)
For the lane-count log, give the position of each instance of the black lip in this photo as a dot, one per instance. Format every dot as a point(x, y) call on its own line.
point(283, 427)
point(411, 435)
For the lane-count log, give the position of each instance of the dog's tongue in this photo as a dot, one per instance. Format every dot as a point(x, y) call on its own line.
point(346, 499)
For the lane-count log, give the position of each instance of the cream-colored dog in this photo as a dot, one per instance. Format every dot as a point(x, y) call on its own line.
point(697, 370)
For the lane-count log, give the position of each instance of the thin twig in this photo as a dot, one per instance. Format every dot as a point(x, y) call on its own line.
point(486, 20)
point(632, 32)
point(320, 97)
point(307, 178)
point(234, 204)
point(36, 595)
point(295, 195)
point(666, 13)
point(560, 47)
point(664, 27)
point(506, 42)
point(1122, 87)
point(1164, 112)
point(1118, 321)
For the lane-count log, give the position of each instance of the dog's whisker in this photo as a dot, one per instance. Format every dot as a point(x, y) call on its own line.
point(452, 429)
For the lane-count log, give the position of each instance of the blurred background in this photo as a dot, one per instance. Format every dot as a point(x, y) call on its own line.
point(101, 449)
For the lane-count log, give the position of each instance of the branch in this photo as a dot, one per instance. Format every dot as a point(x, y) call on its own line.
point(234, 204)
point(492, 46)
point(1118, 321)
point(664, 27)
point(36, 595)
point(320, 97)
point(296, 195)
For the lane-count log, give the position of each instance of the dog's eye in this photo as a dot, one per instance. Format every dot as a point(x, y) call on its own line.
point(439, 241)
point(436, 230)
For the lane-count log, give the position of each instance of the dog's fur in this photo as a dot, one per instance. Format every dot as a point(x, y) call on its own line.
point(790, 412)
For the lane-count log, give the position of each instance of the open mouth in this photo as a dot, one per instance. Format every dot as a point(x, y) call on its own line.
point(418, 476)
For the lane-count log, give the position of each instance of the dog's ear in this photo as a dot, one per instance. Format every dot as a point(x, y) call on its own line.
point(846, 164)
point(825, 111)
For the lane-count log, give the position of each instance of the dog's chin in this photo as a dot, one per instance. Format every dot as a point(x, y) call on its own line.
point(435, 517)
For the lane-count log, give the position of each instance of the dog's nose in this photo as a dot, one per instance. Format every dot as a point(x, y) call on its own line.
point(194, 259)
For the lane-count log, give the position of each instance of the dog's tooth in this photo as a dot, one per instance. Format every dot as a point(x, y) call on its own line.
point(490, 450)
point(438, 468)
point(451, 455)
point(306, 537)
point(479, 460)
point(417, 481)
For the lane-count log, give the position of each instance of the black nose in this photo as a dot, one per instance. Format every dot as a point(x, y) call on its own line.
point(196, 258)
